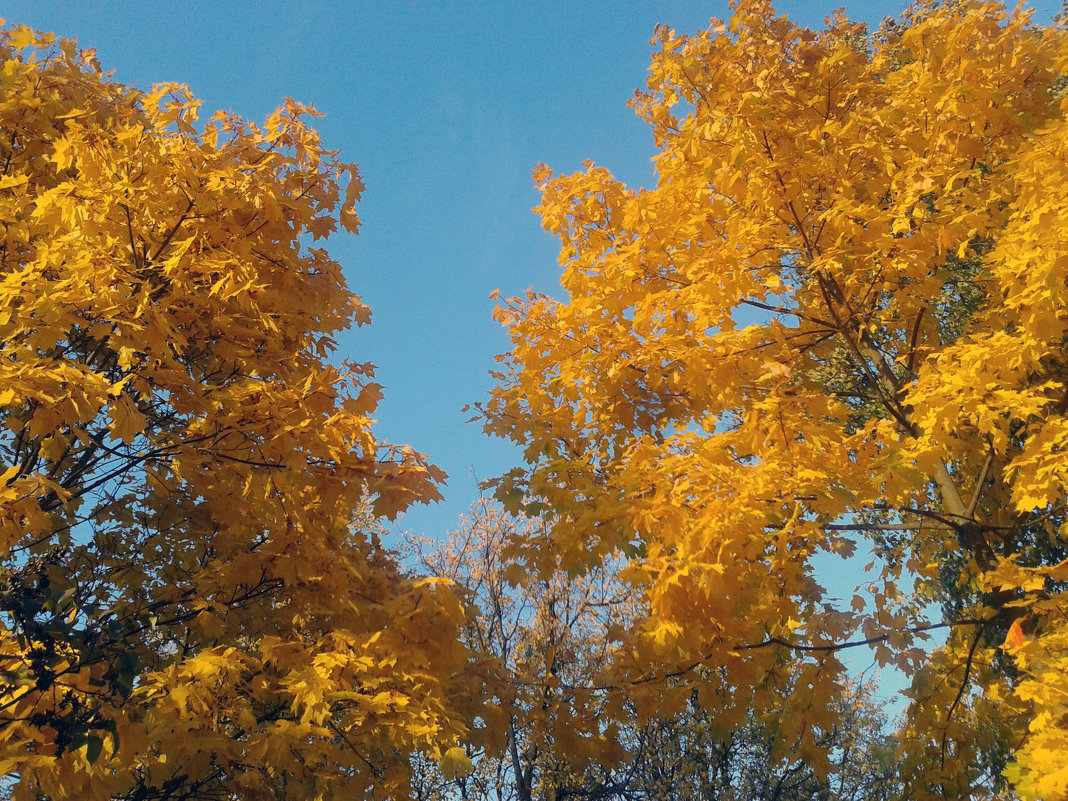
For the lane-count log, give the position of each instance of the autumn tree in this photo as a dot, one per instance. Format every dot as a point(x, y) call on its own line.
point(546, 643)
point(540, 641)
point(837, 321)
point(189, 607)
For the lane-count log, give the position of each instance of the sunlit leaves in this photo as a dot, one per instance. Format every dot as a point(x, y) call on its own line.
point(193, 598)
point(837, 319)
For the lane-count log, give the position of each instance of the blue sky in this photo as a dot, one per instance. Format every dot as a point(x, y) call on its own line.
point(446, 106)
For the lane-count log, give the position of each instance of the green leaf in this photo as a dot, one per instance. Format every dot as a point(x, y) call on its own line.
point(93, 746)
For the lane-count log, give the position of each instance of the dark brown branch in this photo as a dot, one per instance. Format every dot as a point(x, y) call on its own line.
point(963, 687)
point(913, 340)
point(774, 641)
point(879, 638)
point(174, 229)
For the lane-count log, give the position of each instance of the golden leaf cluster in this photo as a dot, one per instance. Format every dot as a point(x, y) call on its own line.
point(837, 322)
point(193, 600)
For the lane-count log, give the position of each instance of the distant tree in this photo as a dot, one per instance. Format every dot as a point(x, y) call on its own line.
point(187, 608)
point(548, 640)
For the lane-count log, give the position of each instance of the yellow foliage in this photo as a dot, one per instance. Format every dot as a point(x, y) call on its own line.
point(838, 319)
point(192, 596)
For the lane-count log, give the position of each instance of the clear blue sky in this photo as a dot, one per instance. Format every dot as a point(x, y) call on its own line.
point(446, 106)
